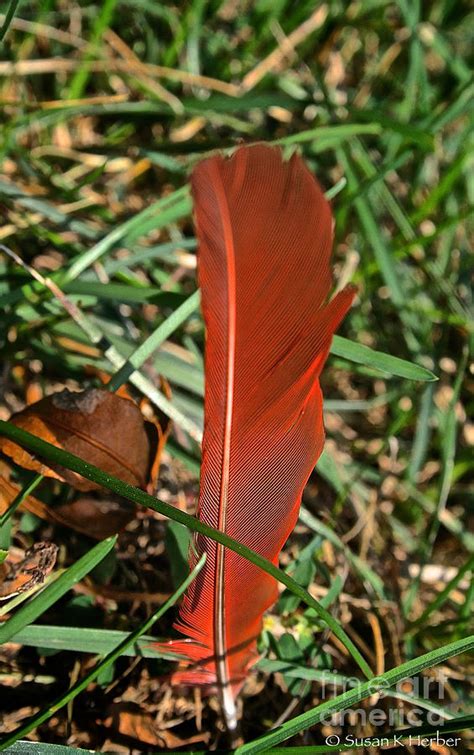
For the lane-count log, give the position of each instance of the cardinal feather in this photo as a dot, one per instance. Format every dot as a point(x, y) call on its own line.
point(265, 236)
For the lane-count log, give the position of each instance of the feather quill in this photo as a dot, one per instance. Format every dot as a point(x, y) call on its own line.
point(265, 236)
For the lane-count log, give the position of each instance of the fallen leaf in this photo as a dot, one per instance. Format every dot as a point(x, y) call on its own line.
point(100, 427)
point(94, 517)
point(133, 723)
point(30, 571)
point(97, 518)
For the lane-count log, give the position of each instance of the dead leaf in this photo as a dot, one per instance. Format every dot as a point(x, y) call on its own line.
point(131, 722)
point(30, 571)
point(97, 518)
point(100, 427)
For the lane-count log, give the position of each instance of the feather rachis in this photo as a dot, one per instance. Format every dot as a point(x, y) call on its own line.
point(222, 669)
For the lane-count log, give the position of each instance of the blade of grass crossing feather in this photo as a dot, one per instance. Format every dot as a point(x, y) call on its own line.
point(80, 685)
point(356, 352)
point(353, 696)
point(55, 590)
point(340, 347)
point(146, 349)
point(57, 455)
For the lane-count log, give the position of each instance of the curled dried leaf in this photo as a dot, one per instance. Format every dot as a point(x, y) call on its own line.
point(97, 518)
point(94, 517)
point(101, 428)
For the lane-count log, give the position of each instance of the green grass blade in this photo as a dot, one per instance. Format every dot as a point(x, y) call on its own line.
point(29, 487)
point(102, 21)
point(353, 696)
point(356, 352)
point(445, 592)
point(413, 736)
point(331, 135)
point(359, 566)
point(166, 210)
point(11, 10)
point(422, 434)
point(374, 238)
point(146, 349)
point(81, 640)
point(44, 748)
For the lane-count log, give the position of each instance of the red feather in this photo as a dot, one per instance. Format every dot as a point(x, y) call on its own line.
point(265, 237)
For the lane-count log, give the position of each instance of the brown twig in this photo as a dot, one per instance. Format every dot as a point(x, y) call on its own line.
point(63, 65)
point(119, 46)
point(378, 642)
point(286, 47)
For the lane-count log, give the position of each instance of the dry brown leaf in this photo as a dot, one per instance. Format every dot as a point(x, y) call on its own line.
point(133, 723)
point(100, 427)
point(97, 518)
point(30, 571)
